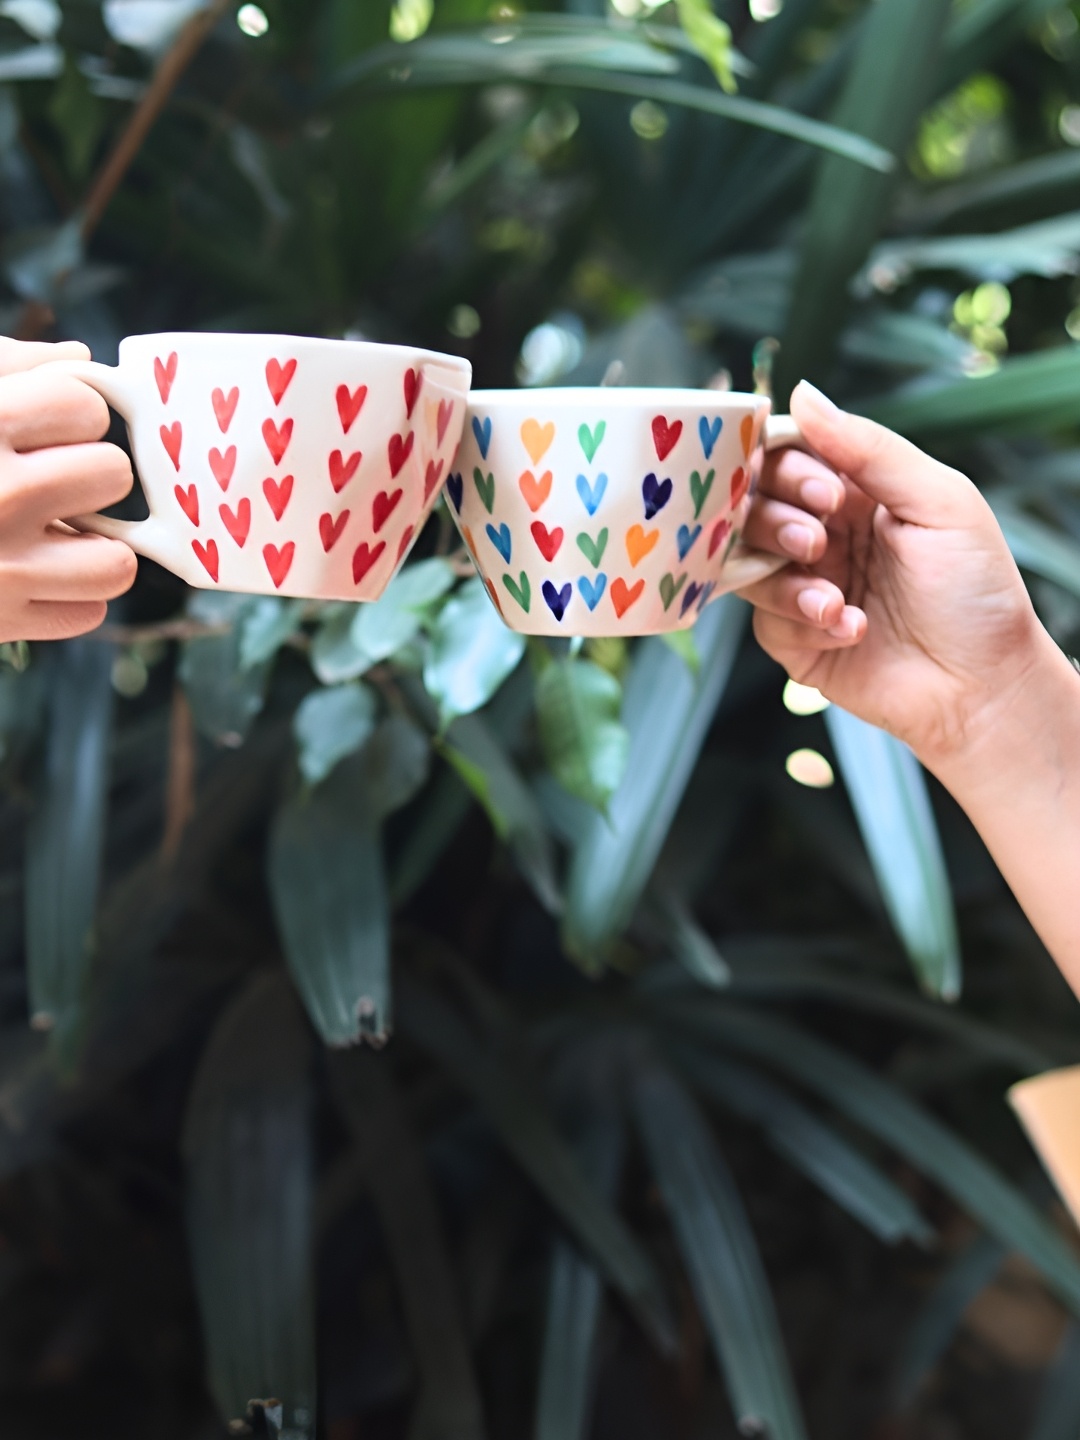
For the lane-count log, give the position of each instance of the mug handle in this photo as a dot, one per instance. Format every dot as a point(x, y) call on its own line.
point(747, 567)
point(146, 537)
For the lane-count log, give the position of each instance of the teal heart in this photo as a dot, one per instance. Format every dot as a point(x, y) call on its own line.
point(591, 440)
point(593, 550)
point(485, 488)
point(522, 593)
point(699, 489)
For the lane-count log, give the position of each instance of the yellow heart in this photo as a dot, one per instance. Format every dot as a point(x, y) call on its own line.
point(535, 491)
point(537, 438)
point(639, 542)
point(746, 434)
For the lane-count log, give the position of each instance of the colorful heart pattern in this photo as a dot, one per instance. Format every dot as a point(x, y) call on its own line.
point(253, 504)
point(566, 532)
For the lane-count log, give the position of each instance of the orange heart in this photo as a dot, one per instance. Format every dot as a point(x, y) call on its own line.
point(537, 438)
point(535, 491)
point(639, 542)
point(467, 533)
point(746, 434)
point(623, 595)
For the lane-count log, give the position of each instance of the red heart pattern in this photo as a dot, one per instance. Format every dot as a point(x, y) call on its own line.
point(740, 484)
point(189, 501)
point(364, 557)
point(446, 411)
point(432, 476)
point(548, 541)
point(721, 530)
point(404, 542)
point(342, 470)
point(172, 437)
point(165, 375)
point(278, 562)
point(399, 451)
point(277, 438)
point(665, 436)
point(330, 529)
point(225, 407)
point(349, 405)
point(223, 465)
point(278, 494)
point(382, 507)
point(413, 381)
point(279, 377)
point(237, 524)
point(208, 557)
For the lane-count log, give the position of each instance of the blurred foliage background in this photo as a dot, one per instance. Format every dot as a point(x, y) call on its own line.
point(703, 1000)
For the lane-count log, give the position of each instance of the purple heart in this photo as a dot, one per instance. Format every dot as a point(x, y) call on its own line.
point(557, 600)
point(690, 594)
point(454, 487)
point(655, 493)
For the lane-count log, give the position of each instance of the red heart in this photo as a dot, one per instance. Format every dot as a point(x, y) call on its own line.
point(446, 409)
point(342, 470)
point(277, 440)
point(364, 558)
point(189, 501)
point(278, 494)
point(225, 407)
point(623, 595)
point(208, 556)
point(547, 541)
point(721, 530)
point(349, 406)
point(432, 478)
point(278, 377)
point(400, 450)
point(165, 375)
point(278, 561)
point(171, 436)
point(330, 529)
point(665, 436)
point(382, 507)
point(413, 381)
point(740, 483)
point(223, 465)
point(404, 542)
point(239, 524)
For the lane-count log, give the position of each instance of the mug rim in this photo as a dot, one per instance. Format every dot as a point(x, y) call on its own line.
point(360, 347)
point(621, 396)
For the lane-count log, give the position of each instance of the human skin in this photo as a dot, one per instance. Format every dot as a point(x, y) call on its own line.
point(54, 582)
point(914, 617)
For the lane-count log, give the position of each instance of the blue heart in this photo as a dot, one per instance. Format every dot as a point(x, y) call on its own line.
point(591, 495)
point(685, 539)
point(501, 540)
point(709, 432)
point(690, 594)
point(453, 487)
point(655, 493)
point(557, 600)
point(482, 431)
point(706, 595)
point(592, 591)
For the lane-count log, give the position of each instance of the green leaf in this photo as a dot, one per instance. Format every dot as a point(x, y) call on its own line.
point(392, 766)
point(689, 943)
point(1031, 182)
point(266, 624)
point(66, 835)
point(330, 724)
point(1037, 547)
point(883, 1110)
point(822, 1154)
point(684, 645)
point(887, 85)
point(710, 37)
point(1058, 1414)
point(472, 653)
point(525, 1127)
point(889, 795)
point(329, 897)
point(667, 712)
point(1048, 248)
point(225, 696)
point(720, 1254)
point(585, 745)
point(334, 657)
point(247, 1149)
point(380, 629)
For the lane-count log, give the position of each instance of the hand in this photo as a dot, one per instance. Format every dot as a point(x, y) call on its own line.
point(54, 582)
point(915, 616)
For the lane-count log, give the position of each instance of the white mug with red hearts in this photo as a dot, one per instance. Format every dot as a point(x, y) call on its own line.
point(614, 511)
point(281, 464)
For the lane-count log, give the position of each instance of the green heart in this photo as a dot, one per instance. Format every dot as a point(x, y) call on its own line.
point(699, 489)
point(670, 587)
point(486, 490)
point(593, 550)
point(522, 593)
point(590, 439)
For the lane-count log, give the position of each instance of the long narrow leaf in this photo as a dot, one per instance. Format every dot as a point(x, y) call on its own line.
point(1058, 1414)
point(891, 803)
point(1037, 547)
point(720, 1254)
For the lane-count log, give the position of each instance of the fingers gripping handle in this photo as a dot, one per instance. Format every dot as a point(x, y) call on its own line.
point(747, 567)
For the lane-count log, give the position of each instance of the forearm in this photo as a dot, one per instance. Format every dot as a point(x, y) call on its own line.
point(1019, 782)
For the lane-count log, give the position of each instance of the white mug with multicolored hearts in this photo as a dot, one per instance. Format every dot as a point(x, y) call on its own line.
point(611, 511)
point(280, 464)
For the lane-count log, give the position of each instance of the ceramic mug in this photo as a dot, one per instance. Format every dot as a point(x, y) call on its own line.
point(280, 464)
point(611, 511)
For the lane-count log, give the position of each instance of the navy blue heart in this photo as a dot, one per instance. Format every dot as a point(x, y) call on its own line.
point(482, 431)
point(709, 432)
point(655, 493)
point(501, 540)
point(557, 600)
point(454, 485)
point(690, 594)
point(592, 591)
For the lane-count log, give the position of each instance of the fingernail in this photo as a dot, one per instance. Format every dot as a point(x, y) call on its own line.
point(796, 540)
point(812, 603)
point(821, 403)
point(820, 496)
point(844, 628)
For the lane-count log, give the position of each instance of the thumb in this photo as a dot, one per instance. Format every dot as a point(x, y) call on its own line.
point(18, 355)
point(889, 469)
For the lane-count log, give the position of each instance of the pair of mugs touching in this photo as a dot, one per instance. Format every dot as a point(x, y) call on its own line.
point(304, 467)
